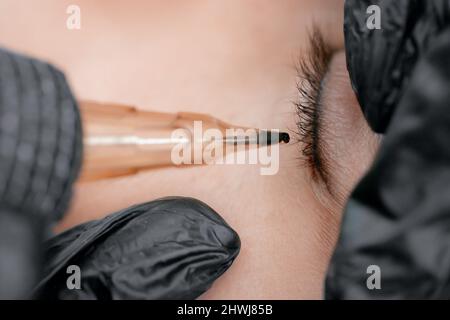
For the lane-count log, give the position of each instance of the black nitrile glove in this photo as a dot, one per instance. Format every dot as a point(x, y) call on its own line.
point(398, 217)
point(380, 62)
point(171, 248)
point(40, 154)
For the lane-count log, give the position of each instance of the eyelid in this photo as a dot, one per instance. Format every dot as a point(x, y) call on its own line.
point(312, 70)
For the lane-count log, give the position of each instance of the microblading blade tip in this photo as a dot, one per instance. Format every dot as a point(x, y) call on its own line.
point(284, 137)
point(265, 137)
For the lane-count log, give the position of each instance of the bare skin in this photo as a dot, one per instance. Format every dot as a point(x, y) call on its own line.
point(232, 59)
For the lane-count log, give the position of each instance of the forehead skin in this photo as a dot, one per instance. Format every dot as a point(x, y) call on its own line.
point(233, 59)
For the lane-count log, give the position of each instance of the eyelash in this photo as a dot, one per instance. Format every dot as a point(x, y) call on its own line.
point(311, 71)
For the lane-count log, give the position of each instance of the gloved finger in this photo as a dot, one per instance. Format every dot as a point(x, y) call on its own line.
point(40, 137)
point(40, 152)
point(20, 253)
point(380, 62)
point(398, 216)
point(172, 248)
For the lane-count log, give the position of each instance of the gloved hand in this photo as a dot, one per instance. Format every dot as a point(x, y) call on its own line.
point(381, 62)
point(40, 153)
point(398, 216)
point(172, 248)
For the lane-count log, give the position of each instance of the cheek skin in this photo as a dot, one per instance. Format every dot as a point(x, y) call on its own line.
point(285, 235)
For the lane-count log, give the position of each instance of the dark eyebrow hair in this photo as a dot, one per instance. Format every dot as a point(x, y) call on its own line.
point(311, 71)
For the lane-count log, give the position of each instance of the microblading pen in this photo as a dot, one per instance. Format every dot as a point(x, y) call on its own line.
point(121, 140)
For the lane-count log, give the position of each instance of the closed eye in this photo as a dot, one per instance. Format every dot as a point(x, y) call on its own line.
point(312, 69)
point(337, 144)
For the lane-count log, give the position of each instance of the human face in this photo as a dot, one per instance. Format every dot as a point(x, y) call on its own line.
point(237, 61)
